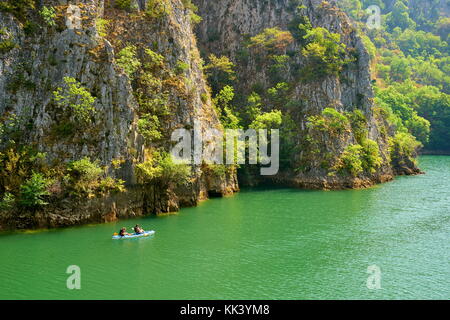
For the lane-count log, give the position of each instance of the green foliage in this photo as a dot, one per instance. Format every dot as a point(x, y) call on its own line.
point(18, 8)
point(404, 146)
point(195, 19)
point(350, 160)
point(420, 43)
point(278, 94)
point(299, 26)
point(74, 97)
point(419, 128)
point(102, 25)
point(229, 119)
point(27, 176)
point(123, 4)
point(7, 45)
point(155, 60)
point(30, 28)
point(324, 51)
point(161, 170)
point(400, 69)
point(33, 192)
point(399, 103)
point(17, 163)
point(224, 109)
point(7, 202)
point(276, 120)
point(117, 163)
point(225, 96)
point(181, 67)
point(127, 60)
point(434, 105)
point(403, 100)
point(216, 170)
point(443, 28)
point(359, 158)
point(149, 127)
point(149, 171)
point(157, 9)
point(362, 157)
point(109, 184)
point(252, 109)
point(279, 67)
point(11, 129)
point(268, 120)
point(189, 5)
point(152, 94)
point(222, 64)
point(395, 67)
point(220, 72)
point(48, 14)
point(85, 178)
point(371, 49)
point(271, 40)
point(370, 156)
point(359, 124)
point(353, 8)
point(331, 121)
point(85, 169)
point(399, 17)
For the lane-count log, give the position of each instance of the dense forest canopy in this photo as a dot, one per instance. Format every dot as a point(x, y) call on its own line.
point(410, 63)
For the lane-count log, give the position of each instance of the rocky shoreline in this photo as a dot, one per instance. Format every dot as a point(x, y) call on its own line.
point(136, 201)
point(133, 203)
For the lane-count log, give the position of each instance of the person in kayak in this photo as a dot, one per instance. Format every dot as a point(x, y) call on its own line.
point(138, 229)
point(123, 232)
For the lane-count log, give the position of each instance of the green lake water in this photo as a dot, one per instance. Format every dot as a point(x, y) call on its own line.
point(258, 244)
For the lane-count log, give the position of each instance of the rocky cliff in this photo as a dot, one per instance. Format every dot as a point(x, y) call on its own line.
point(90, 91)
point(234, 27)
point(75, 44)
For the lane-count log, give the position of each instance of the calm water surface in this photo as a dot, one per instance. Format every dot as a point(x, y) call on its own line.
point(258, 244)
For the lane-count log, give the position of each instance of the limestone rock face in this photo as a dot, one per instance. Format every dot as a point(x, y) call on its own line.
point(226, 27)
point(37, 65)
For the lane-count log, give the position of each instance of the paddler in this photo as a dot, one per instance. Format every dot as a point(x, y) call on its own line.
point(138, 229)
point(123, 232)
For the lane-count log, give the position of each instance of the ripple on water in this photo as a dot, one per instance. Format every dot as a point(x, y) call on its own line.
point(259, 244)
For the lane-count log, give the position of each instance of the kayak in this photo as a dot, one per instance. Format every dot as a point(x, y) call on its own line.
point(135, 235)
